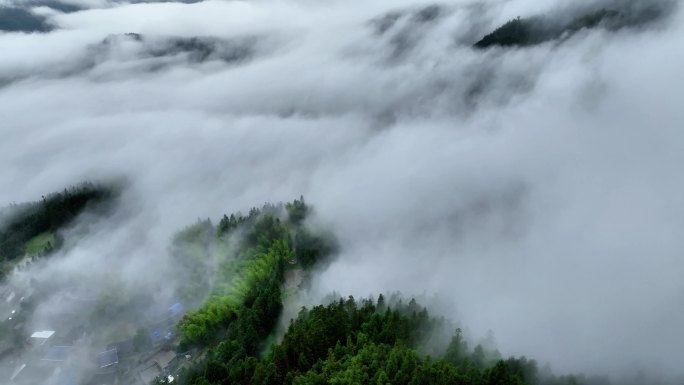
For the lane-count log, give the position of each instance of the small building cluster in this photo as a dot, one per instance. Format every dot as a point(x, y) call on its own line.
point(66, 357)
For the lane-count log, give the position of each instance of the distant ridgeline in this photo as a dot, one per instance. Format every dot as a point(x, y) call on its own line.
point(18, 15)
point(31, 228)
point(240, 267)
point(539, 29)
point(195, 49)
point(16, 19)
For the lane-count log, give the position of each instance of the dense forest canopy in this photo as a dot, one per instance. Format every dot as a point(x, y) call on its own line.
point(358, 342)
point(244, 299)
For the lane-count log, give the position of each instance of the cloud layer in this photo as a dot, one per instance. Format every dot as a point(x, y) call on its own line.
point(533, 192)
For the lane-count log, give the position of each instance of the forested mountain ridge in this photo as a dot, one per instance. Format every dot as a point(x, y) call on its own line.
point(363, 342)
point(521, 32)
point(32, 228)
point(344, 342)
point(15, 19)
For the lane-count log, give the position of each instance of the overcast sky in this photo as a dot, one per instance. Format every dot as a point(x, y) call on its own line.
point(535, 192)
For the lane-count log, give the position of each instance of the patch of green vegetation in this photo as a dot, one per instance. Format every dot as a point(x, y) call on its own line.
point(240, 265)
point(40, 243)
point(28, 220)
point(29, 227)
point(366, 342)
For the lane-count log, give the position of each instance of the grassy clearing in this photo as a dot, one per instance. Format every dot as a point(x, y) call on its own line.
point(39, 243)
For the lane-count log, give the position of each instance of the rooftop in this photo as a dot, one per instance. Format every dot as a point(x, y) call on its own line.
point(123, 348)
point(43, 334)
point(164, 358)
point(107, 358)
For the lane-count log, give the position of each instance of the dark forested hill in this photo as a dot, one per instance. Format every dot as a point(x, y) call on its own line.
point(15, 19)
point(521, 32)
point(358, 342)
point(345, 342)
point(30, 228)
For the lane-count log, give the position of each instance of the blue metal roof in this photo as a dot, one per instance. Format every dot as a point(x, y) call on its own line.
point(108, 358)
point(176, 308)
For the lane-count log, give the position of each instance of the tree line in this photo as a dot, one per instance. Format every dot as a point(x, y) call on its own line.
point(344, 342)
point(522, 32)
point(357, 342)
point(22, 222)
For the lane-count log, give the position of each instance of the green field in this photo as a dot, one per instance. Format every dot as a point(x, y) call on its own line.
point(37, 244)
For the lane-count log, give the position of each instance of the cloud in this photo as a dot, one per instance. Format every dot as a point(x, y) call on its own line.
point(534, 192)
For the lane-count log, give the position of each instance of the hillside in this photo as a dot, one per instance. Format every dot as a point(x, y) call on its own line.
point(32, 228)
point(344, 342)
point(521, 32)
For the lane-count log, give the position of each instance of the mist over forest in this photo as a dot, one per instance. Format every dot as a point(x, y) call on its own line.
point(351, 192)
